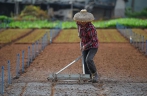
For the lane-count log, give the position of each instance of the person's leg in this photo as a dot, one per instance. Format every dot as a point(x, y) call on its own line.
point(85, 52)
point(91, 65)
point(89, 60)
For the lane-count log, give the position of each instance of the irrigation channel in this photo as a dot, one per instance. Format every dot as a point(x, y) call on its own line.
point(121, 66)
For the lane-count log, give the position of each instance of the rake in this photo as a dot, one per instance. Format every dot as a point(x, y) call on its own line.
point(54, 77)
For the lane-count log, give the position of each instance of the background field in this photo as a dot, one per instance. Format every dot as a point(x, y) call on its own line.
point(104, 35)
point(34, 36)
point(65, 36)
point(141, 32)
point(12, 34)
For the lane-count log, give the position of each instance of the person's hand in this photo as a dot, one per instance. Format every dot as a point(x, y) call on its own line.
point(82, 48)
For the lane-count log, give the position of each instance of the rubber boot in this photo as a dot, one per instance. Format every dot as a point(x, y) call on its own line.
point(91, 78)
point(95, 78)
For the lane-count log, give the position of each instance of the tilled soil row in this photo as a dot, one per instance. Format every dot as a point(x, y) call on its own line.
point(121, 67)
point(114, 61)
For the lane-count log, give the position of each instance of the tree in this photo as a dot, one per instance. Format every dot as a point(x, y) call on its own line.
point(33, 12)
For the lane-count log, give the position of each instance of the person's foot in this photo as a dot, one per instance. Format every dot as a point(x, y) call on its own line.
point(90, 80)
point(95, 78)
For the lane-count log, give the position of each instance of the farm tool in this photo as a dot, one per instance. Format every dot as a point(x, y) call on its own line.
point(55, 77)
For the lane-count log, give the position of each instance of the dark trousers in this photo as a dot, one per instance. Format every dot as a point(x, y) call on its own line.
point(88, 56)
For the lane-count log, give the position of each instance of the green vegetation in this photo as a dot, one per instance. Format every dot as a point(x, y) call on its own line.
point(4, 21)
point(33, 13)
point(141, 14)
point(129, 22)
point(33, 24)
point(5, 18)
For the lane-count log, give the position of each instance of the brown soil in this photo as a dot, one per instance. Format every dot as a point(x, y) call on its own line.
point(10, 52)
point(114, 61)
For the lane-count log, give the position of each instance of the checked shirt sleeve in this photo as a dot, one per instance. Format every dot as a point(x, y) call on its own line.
point(93, 37)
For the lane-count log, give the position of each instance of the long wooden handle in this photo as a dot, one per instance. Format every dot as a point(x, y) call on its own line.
point(69, 64)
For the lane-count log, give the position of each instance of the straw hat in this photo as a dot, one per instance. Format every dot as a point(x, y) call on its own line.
point(83, 16)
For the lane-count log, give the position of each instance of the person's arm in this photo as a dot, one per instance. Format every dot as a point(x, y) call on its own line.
point(80, 45)
point(79, 37)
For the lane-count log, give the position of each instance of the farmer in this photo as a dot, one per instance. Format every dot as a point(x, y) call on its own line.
point(89, 42)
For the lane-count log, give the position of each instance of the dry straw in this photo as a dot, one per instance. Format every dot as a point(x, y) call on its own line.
point(83, 16)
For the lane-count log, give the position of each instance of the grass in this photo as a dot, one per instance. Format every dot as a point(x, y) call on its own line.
point(128, 22)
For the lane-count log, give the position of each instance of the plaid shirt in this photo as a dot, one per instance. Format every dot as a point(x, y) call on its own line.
point(88, 36)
